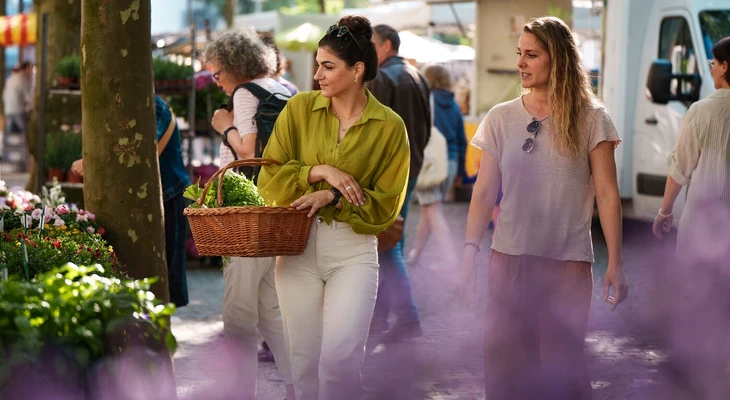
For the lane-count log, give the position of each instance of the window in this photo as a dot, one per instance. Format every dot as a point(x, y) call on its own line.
point(675, 45)
point(715, 25)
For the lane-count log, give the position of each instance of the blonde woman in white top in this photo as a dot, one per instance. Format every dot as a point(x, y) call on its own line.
point(700, 277)
point(552, 149)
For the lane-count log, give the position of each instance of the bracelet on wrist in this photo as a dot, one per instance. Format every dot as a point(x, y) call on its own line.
point(232, 128)
point(664, 215)
point(473, 245)
point(336, 199)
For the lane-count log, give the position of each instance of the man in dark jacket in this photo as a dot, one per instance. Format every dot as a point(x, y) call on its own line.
point(400, 86)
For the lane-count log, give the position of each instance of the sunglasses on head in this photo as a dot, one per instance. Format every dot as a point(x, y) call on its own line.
point(342, 31)
point(532, 127)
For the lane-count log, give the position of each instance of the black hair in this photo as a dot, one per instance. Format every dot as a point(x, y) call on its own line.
point(721, 53)
point(362, 50)
point(386, 32)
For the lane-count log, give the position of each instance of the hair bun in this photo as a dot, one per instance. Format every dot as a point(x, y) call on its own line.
point(358, 25)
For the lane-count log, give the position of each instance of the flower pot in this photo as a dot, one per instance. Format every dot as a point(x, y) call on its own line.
point(64, 83)
point(57, 173)
point(74, 177)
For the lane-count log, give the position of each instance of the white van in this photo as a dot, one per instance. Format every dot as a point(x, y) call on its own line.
point(655, 67)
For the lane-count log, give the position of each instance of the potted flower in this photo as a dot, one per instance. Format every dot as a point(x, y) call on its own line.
point(68, 70)
point(54, 158)
point(108, 324)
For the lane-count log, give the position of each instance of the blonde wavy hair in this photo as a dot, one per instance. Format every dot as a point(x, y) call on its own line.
point(569, 90)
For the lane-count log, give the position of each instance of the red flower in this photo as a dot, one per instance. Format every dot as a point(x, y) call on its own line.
point(100, 231)
point(97, 253)
point(57, 244)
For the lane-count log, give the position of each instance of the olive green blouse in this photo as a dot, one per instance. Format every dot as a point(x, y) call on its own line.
point(374, 151)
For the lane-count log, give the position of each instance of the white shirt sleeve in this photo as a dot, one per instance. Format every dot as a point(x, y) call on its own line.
point(245, 105)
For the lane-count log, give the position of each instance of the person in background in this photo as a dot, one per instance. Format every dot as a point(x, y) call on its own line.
point(552, 149)
point(701, 276)
point(278, 74)
point(327, 140)
point(449, 121)
point(400, 86)
point(17, 102)
point(174, 179)
point(250, 299)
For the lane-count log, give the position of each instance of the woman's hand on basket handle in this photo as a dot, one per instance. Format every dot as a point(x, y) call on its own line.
point(342, 181)
point(314, 200)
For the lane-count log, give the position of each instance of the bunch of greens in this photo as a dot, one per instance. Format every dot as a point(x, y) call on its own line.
point(238, 191)
point(77, 318)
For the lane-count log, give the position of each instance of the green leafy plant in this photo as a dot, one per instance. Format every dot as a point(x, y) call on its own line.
point(170, 70)
point(54, 247)
point(69, 67)
point(83, 314)
point(238, 191)
point(62, 149)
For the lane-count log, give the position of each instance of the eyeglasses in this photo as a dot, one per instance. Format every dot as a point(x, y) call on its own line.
point(711, 63)
point(529, 143)
point(217, 75)
point(342, 31)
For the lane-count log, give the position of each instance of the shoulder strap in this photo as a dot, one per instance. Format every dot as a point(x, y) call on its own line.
point(162, 143)
point(260, 92)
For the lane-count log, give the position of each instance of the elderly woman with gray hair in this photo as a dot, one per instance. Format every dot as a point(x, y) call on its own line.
point(239, 57)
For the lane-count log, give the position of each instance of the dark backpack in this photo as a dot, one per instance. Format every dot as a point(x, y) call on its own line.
point(270, 105)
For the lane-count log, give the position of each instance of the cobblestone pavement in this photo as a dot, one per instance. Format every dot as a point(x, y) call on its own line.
point(624, 360)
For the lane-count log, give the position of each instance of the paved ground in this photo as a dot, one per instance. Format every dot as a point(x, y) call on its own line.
point(446, 363)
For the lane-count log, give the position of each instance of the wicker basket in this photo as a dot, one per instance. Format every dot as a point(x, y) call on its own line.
point(248, 231)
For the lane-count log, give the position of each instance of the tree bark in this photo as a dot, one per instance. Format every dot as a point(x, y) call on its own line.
point(229, 12)
point(64, 30)
point(121, 169)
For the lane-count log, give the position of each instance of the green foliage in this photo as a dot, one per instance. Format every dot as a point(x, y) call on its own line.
point(207, 100)
point(86, 315)
point(238, 191)
point(69, 67)
point(53, 248)
point(62, 149)
point(168, 70)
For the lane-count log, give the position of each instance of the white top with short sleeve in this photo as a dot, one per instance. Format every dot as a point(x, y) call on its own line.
point(547, 202)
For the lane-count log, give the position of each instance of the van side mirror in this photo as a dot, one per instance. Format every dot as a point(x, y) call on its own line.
point(658, 82)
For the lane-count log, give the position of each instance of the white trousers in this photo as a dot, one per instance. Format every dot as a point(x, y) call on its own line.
point(250, 302)
point(327, 296)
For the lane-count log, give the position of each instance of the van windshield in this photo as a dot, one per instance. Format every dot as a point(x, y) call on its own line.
point(715, 25)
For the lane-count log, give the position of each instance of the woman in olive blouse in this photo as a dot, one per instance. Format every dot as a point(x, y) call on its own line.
point(346, 160)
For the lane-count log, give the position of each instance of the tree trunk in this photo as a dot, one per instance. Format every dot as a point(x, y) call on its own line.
point(121, 169)
point(322, 6)
point(229, 11)
point(64, 32)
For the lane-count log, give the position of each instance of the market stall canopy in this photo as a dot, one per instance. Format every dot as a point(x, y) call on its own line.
point(304, 37)
point(18, 30)
point(429, 50)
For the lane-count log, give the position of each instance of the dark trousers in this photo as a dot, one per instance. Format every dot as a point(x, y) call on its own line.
point(175, 236)
point(394, 289)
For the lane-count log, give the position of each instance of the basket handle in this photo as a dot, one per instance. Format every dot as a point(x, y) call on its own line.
point(250, 162)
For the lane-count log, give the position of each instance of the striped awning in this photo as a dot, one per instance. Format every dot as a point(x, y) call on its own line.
point(18, 30)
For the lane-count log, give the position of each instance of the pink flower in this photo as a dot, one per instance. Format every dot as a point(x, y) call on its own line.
point(90, 229)
point(82, 218)
point(91, 216)
point(62, 209)
point(59, 222)
point(26, 221)
point(36, 214)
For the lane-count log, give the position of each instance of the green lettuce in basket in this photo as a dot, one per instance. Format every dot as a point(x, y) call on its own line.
point(238, 191)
